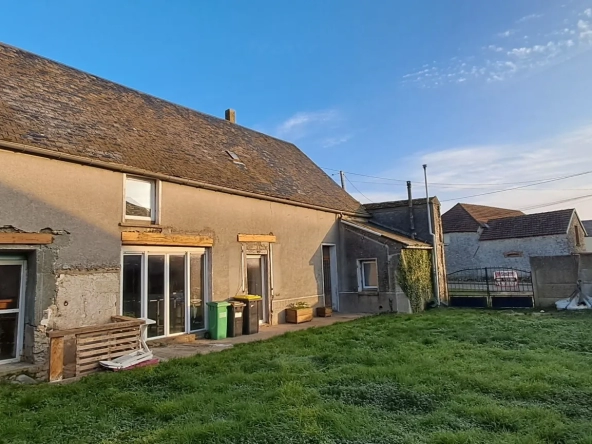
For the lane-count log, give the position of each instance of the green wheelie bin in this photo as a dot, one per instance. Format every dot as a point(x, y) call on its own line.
point(217, 319)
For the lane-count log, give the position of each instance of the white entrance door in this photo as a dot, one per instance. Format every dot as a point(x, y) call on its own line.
point(12, 289)
point(257, 282)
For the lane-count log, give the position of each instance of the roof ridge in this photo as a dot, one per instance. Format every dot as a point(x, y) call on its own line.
point(142, 93)
point(98, 126)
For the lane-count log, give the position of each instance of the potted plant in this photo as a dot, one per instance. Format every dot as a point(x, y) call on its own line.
point(324, 312)
point(298, 313)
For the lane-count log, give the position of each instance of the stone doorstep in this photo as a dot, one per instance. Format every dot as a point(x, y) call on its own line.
point(12, 370)
point(180, 339)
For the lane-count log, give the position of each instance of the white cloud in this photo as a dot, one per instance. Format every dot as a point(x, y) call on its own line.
point(518, 56)
point(302, 124)
point(495, 48)
point(588, 12)
point(334, 141)
point(529, 17)
point(504, 166)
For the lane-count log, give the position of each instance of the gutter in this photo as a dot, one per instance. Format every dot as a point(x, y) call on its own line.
point(21, 148)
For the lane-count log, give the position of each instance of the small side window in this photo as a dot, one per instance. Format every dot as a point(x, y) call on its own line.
point(368, 274)
point(578, 236)
point(140, 199)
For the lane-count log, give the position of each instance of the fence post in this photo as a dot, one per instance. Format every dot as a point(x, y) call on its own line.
point(487, 285)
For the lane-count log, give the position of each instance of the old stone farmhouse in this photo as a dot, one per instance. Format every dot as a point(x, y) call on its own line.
point(116, 202)
point(478, 236)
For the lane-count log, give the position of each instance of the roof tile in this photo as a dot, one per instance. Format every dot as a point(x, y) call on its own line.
point(467, 218)
point(529, 225)
point(48, 105)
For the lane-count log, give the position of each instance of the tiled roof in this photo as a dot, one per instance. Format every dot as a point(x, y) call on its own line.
point(407, 241)
point(528, 225)
point(47, 105)
point(399, 203)
point(463, 218)
point(588, 227)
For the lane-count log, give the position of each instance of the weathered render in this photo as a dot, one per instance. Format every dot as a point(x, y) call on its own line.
point(234, 210)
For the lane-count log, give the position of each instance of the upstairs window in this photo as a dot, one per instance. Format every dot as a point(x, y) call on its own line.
point(368, 274)
point(140, 199)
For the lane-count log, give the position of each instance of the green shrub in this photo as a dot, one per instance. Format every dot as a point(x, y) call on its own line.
point(414, 276)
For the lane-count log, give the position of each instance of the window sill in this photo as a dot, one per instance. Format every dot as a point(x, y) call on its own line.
point(139, 224)
point(368, 293)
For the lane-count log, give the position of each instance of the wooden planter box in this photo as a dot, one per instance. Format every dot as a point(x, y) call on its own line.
point(297, 316)
point(324, 312)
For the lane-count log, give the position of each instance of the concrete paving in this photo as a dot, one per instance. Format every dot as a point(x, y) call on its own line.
point(205, 346)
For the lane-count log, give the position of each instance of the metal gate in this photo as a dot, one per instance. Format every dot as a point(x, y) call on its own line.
point(493, 287)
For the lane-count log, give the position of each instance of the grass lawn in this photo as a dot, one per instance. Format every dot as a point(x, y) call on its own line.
point(446, 376)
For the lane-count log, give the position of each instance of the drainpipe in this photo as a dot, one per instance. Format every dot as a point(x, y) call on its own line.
point(435, 280)
point(411, 221)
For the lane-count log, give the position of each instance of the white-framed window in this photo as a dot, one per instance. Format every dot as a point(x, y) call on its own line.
point(368, 274)
point(140, 199)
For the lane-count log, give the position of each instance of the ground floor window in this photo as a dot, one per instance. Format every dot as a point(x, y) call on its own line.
point(368, 274)
point(12, 285)
point(168, 286)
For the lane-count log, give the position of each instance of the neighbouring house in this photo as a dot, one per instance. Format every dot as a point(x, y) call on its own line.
point(114, 202)
point(588, 239)
point(477, 236)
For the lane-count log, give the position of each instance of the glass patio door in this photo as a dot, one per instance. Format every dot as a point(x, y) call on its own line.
point(12, 283)
point(167, 287)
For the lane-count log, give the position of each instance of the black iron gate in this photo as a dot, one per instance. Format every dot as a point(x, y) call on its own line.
point(494, 287)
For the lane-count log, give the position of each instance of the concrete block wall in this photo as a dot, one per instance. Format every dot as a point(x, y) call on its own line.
point(554, 278)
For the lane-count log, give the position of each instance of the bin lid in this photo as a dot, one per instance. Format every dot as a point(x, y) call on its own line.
point(248, 297)
point(237, 304)
point(219, 304)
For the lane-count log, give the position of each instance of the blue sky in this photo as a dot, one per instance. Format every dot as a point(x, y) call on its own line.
point(491, 94)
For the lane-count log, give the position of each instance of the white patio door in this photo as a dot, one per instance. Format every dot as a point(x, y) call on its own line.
point(12, 288)
point(168, 287)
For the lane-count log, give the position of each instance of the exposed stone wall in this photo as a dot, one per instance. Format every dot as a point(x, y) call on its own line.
point(466, 251)
point(461, 251)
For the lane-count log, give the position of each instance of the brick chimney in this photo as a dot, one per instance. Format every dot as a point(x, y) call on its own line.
point(230, 115)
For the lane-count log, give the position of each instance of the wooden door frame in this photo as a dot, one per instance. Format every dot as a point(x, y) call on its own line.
point(334, 275)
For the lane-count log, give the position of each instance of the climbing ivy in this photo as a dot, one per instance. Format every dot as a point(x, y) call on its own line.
point(414, 275)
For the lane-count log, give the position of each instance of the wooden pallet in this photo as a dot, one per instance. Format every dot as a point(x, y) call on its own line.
point(93, 344)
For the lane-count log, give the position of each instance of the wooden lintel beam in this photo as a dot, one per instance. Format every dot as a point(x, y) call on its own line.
point(167, 240)
point(26, 238)
point(256, 238)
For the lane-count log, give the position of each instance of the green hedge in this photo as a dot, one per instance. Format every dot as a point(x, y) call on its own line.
point(414, 276)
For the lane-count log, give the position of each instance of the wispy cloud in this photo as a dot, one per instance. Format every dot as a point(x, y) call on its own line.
point(301, 123)
point(334, 141)
point(518, 55)
point(495, 167)
point(528, 17)
point(322, 128)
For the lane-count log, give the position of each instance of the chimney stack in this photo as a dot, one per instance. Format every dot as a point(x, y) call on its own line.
point(230, 115)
